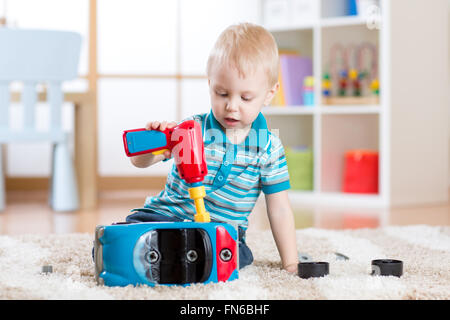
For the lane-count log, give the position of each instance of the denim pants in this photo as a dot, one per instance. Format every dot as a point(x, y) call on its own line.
point(143, 215)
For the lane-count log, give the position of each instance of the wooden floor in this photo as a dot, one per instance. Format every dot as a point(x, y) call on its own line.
point(27, 212)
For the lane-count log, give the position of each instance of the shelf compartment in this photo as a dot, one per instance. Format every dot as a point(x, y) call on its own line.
point(345, 48)
point(300, 41)
point(341, 133)
point(297, 136)
point(293, 131)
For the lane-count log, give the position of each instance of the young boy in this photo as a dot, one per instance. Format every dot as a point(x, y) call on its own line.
point(243, 156)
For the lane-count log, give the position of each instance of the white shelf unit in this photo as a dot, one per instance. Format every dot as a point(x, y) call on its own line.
point(330, 130)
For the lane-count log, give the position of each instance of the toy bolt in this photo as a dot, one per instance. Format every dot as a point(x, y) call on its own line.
point(197, 193)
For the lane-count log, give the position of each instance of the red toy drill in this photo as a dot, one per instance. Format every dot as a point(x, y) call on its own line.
point(185, 142)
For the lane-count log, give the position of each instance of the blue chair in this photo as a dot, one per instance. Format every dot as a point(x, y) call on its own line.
point(33, 57)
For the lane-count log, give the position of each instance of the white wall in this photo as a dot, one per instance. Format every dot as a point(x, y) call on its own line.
point(419, 102)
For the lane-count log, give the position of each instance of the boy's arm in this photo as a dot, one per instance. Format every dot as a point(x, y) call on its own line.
point(282, 224)
point(146, 160)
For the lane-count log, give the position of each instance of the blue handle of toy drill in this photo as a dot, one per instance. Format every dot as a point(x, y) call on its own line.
point(145, 141)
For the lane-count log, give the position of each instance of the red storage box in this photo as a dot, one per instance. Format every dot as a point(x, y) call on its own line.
point(361, 171)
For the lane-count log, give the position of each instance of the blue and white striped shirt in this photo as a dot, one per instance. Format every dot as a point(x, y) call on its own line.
point(237, 173)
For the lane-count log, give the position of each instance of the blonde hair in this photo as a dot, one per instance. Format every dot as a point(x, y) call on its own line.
point(246, 47)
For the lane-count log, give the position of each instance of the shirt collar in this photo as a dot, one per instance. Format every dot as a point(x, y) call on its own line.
point(257, 137)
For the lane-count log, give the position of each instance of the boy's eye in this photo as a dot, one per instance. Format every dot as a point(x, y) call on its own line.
point(222, 94)
point(246, 98)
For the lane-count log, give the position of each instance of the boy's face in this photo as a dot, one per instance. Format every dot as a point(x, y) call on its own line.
point(235, 100)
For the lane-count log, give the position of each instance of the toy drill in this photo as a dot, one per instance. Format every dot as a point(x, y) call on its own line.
point(186, 144)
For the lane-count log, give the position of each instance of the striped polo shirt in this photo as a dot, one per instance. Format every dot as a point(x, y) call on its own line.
point(237, 173)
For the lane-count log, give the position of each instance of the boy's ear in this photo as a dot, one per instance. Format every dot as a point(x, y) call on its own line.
point(271, 94)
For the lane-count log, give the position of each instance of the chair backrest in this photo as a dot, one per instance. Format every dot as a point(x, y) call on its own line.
point(36, 56)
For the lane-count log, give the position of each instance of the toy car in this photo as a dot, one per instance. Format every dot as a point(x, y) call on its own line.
point(166, 253)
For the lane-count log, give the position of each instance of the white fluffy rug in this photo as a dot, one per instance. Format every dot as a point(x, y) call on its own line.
point(424, 250)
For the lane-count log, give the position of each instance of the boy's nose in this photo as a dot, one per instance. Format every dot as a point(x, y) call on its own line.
point(232, 105)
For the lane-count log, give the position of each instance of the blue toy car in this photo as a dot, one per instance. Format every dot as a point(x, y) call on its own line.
point(169, 253)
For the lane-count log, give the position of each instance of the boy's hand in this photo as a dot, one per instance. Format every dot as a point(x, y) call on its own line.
point(161, 126)
point(156, 125)
point(292, 268)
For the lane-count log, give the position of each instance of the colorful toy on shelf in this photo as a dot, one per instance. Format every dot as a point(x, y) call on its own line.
point(300, 165)
point(294, 68)
point(308, 91)
point(352, 76)
point(326, 85)
point(375, 87)
point(169, 252)
point(371, 75)
point(343, 75)
point(337, 50)
point(355, 80)
point(360, 171)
